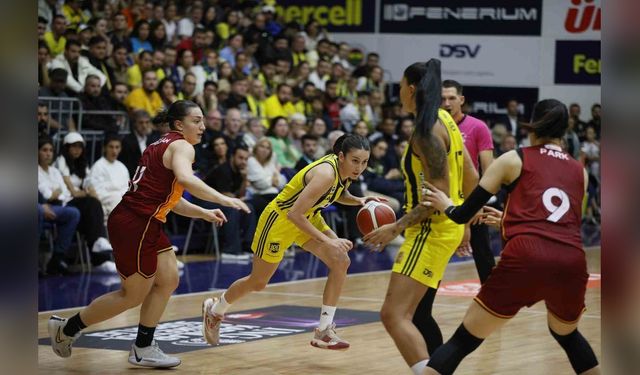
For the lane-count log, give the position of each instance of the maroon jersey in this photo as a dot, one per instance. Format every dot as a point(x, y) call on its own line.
point(154, 190)
point(547, 198)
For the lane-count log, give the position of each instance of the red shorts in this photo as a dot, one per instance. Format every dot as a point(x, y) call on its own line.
point(136, 242)
point(532, 269)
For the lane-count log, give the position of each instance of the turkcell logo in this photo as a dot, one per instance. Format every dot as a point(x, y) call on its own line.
point(578, 62)
point(459, 50)
point(335, 15)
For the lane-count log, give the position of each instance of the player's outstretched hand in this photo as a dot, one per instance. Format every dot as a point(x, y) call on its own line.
point(376, 199)
point(378, 239)
point(433, 197)
point(215, 216)
point(238, 204)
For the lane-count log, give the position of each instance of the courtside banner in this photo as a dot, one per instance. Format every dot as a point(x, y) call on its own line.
point(577, 62)
point(490, 103)
point(572, 19)
point(335, 15)
point(476, 17)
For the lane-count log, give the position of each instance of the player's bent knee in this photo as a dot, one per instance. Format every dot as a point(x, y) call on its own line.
point(447, 358)
point(258, 285)
point(578, 350)
point(388, 316)
point(340, 262)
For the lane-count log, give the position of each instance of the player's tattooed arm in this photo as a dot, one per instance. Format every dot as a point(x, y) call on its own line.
point(417, 214)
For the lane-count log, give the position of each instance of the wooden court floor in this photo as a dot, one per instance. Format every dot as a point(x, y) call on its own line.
point(523, 346)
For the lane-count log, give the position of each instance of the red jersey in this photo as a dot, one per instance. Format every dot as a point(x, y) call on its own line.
point(154, 190)
point(547, 198)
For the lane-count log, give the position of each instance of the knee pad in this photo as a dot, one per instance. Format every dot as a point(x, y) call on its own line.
point(447, 358)
point(578, 350)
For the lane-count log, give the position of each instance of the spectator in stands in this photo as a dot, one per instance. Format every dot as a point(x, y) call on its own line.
point(167, 90)
point(42, 28)
point(231, 179)
point(387, 130)
point(157, 35)
point(242, 69)
point(77, 67)
point(98, 58)
point(309, 151)
point(157, 63)
point(66, 219)
point(169, 66)
point(170, 23)
point(376, 98)
point(196, 44)
point(214, 155)
point(118, 94)
point(361, 128)
point(119, 63)
point(134, 143)
point(512, 120)
point(256, 131)
point(187, 24)
point(120, 33)
point(64, 185)
point(135, 72)
point(44, 59)
point(188, 89)
point(382, 178)
point(92, 100)
point(279, 104)
point(45, 122)
point(595, 119)
point(146, 97)
point(321, 51)
point(233, 126)
point(373, 81)
point(186, 65)
point(265, 180)
point(229, 26)
point(108, 177)
point(55, 90)
point(571, 140)
point(405, 130)
point(580, 126)
point(342, 57)
point(256, 99)
point(234, 46)
point(55, 38)
point(74, 14)
point(279, 135)
point(320, 75)
point(591, 152)
point(85, 33)
point(210, 64)
point(332, 103)
point(238, 96)
point(508, 143)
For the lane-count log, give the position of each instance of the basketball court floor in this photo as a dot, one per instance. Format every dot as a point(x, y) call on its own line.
point(269, 332)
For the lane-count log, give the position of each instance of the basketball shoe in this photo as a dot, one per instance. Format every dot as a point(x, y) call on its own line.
point(60, 343)
point(151, 356)
point(210, 322)
point(328, 339)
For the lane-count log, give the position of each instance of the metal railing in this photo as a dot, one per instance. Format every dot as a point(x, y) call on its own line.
point(62, 108)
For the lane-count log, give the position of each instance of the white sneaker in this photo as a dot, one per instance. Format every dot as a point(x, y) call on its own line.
point(241, 256)
point(210, 322)
point(101, 244)
point(151, 356)
point(106, 267)
point(60, 343)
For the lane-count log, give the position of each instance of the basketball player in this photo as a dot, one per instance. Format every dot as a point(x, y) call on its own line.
point(142, 251)
point(543, 257)
point(294, 216)
point(436, 153)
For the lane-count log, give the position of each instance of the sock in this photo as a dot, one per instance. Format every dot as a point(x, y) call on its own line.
point(145, 336)
point(73, 326)
point(221, 306)
point(419, 367)
point(326, 316)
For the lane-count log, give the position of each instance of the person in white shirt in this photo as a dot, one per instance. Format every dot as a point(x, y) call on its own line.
point(320, 76)
point(108, 177)
point(187, 24)
point(78, 67)
point(53, 188)
point(263, 174)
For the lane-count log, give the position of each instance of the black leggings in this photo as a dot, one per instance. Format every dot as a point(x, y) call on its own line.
point(482, 255)
point(91, 224)
point(423, 320)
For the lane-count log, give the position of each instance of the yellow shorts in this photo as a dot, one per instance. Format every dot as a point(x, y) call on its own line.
point(275, 233)
point(426, 251)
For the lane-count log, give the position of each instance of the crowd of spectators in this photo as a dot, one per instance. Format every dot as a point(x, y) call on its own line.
point(274, 96)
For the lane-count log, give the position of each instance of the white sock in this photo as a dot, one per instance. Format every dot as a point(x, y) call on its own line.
point(221, 306)
point(326, 316)
point(419, 367)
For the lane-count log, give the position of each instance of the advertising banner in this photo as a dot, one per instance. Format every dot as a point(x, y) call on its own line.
point(577, 62)
point(475, 17)
point(571, 19)
point(345, 16)
point(490, 103)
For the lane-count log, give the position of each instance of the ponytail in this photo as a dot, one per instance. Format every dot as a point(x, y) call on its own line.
point(549, 119)
point(427, 79)
point(161, 118)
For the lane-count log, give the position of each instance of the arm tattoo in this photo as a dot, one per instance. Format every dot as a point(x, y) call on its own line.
point(416, 215)
point(436, 157)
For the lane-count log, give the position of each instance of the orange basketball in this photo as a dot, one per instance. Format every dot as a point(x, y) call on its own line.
point(374, 215)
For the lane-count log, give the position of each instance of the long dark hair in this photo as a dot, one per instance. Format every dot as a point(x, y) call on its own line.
point(348, 142)
point(549, 119)
point(76, 166)
point(177, 111)
point(427, 79)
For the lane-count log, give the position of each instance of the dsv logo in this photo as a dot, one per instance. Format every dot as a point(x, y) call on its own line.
point(459, 51)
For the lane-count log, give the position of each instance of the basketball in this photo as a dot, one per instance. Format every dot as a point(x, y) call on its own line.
point(374, 215)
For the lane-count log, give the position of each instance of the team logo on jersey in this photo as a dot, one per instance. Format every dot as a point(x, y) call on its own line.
point(399, 257)
point(274, 247)
point(427, 272)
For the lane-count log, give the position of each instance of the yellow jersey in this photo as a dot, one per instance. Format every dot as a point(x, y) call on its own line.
point(288, 196)
point(413, 174)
